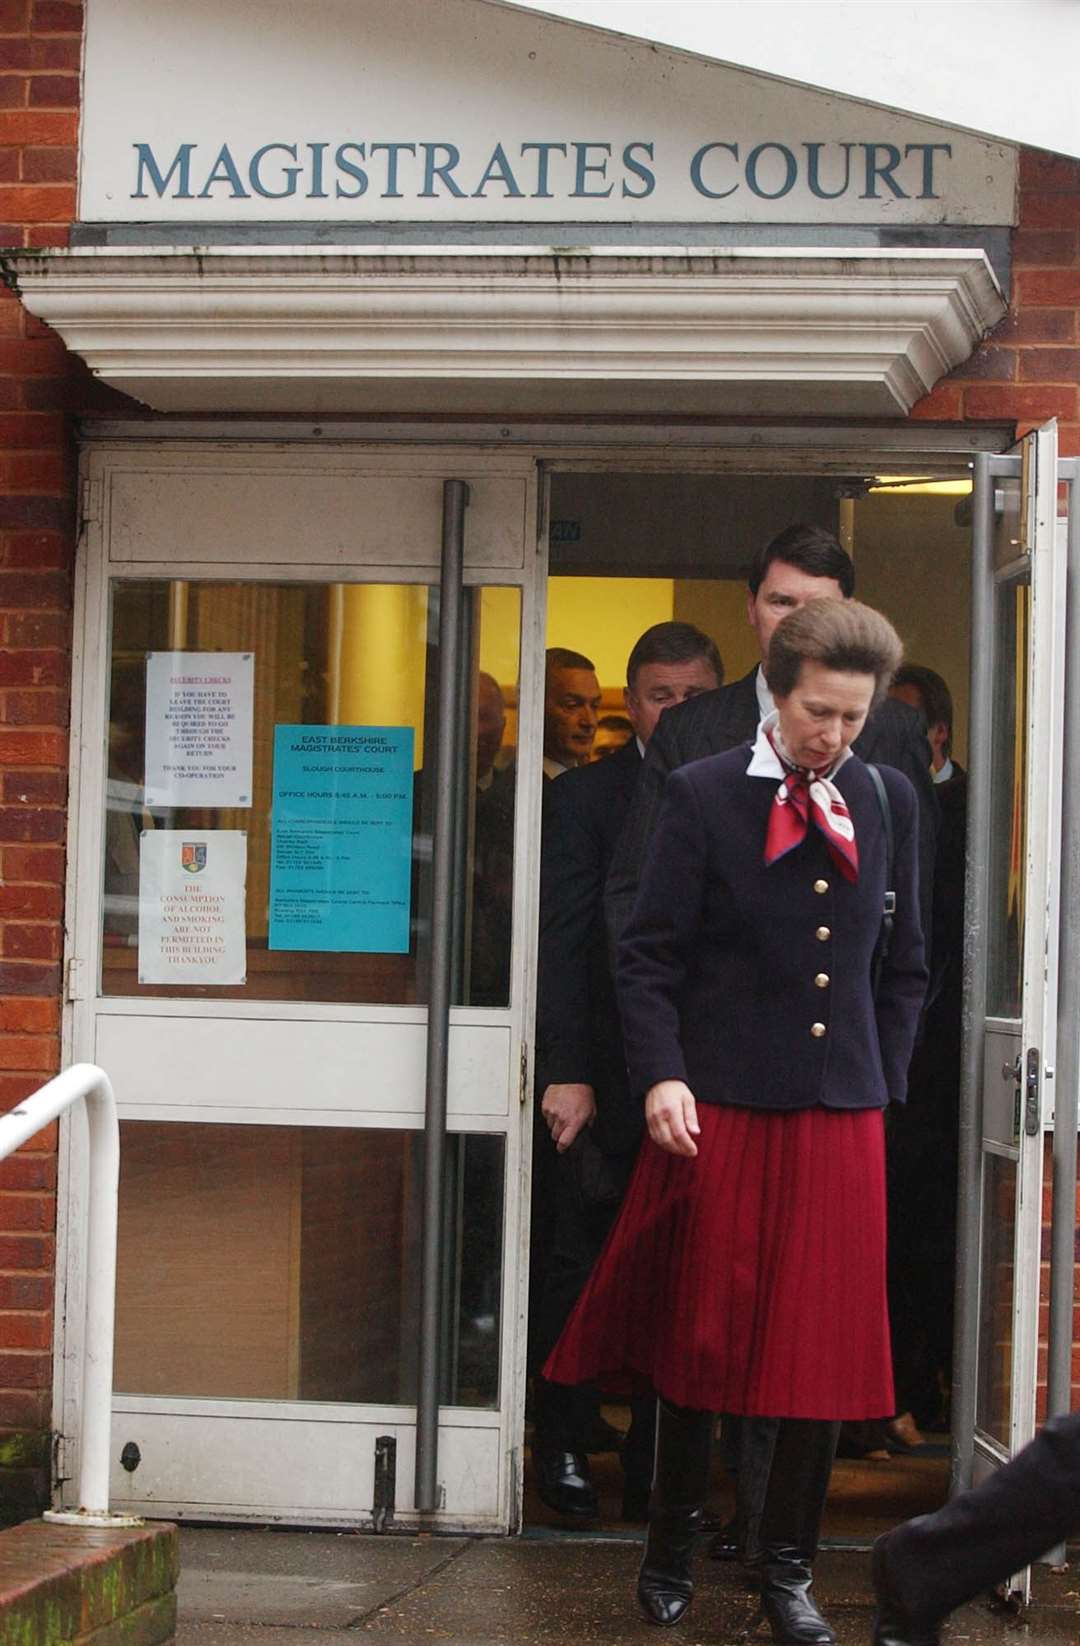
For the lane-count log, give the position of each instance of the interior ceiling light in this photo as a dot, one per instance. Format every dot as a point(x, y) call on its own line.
point(920, 485)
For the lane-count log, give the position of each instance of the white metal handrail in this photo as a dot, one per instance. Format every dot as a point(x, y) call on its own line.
point(86, 1083)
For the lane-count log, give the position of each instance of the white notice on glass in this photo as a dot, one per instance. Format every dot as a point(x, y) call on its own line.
point(199, 728)
point(191, 906)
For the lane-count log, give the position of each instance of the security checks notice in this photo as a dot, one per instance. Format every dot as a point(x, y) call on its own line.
point(199, 717)
point(191, 906)
point(341, 841)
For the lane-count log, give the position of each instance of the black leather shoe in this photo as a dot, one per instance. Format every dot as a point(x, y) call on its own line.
point(787, 1601)
point(563, 1483)
point(665, 1587)
point(893, 1625)
point(724, 1544)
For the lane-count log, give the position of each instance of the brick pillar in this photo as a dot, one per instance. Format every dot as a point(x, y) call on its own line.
point(1028, 369)
point(40, 43)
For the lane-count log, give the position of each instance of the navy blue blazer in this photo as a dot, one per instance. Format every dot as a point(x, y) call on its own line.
point(753, 984)
point(578, 1037)
point(712, 722)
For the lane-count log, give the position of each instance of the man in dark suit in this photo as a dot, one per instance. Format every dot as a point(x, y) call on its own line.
point(929, 1566)
point(924, 1137)
point(591, 1126)
point(571, 710)
point(925, 690)
point(802, 563)
point(493, 853)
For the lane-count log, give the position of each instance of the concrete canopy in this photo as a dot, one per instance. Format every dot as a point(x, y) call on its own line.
point(285, 329)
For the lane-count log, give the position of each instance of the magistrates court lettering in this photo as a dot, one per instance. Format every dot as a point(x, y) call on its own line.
point(571, 169)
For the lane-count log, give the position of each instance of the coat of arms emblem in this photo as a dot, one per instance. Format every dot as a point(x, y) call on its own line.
point(193, 855)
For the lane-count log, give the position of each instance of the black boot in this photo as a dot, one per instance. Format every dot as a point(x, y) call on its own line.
point(790, 1525)
point(681, 1479)
point(638, 1455)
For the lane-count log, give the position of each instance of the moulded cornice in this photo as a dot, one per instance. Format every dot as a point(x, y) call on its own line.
point(861, 332)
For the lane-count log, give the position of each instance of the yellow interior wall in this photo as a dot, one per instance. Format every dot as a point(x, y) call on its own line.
point(378, 672)
point(500, 635)
point(913, 563)
point(603, 617)
point(718, 607)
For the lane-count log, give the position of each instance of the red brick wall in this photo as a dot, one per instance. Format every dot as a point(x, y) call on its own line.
point(1026, 372)
point(39, 63)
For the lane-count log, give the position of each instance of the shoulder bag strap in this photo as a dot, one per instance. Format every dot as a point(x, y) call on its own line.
point(889, 911)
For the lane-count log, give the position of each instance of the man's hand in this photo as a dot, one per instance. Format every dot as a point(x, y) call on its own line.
point(671, 1116)
point(567, 1109)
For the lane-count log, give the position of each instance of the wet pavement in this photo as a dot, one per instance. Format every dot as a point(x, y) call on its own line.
point(270, 1588)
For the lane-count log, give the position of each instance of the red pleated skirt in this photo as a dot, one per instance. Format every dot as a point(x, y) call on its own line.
point(750, 1279)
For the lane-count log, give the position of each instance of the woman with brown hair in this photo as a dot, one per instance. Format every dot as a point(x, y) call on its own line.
point(767, 1031)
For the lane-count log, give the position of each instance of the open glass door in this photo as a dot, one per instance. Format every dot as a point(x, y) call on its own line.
point(1014, 831)
point(262, 691)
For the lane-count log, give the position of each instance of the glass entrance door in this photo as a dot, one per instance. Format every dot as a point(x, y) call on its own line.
point(253, 944)
point(1012, 924)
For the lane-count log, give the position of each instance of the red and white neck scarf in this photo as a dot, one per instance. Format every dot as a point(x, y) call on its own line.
point(804, 796)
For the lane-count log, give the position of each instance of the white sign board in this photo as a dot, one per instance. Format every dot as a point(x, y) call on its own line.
point(391, 111)
point(191, 906)
point(199, 728)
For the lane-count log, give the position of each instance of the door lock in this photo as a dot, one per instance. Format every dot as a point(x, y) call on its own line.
point(1032, 1107)
point(1024, 1073)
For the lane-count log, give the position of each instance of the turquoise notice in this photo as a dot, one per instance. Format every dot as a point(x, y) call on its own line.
point(341, 839)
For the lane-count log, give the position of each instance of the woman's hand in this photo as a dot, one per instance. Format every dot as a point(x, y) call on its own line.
point(671, 1116)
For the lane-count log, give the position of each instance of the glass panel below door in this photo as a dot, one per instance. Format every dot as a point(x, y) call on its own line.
point(282, 1263)
point(997, 1297)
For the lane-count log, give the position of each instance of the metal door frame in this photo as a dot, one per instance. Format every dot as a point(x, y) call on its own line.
point(1051, 955)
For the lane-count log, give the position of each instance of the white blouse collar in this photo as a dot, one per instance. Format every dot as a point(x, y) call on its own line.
point(765, 762)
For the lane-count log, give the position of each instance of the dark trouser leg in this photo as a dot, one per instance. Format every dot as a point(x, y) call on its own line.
point(575, 1226)
point(790, 1527)
point(562, 1416)
point(926, 1568)
point(756, 1453)
point(683, 1443)
point(584, 1188)
point(541, 1238)
point(749, 1443)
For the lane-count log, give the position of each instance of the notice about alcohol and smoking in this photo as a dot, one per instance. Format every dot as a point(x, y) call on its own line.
point(191, 906)
point(199, 708)
point(341, 839)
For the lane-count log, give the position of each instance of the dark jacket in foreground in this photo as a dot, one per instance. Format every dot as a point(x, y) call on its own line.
point(577, 1020)
point(894, 735)
point(726, 966)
